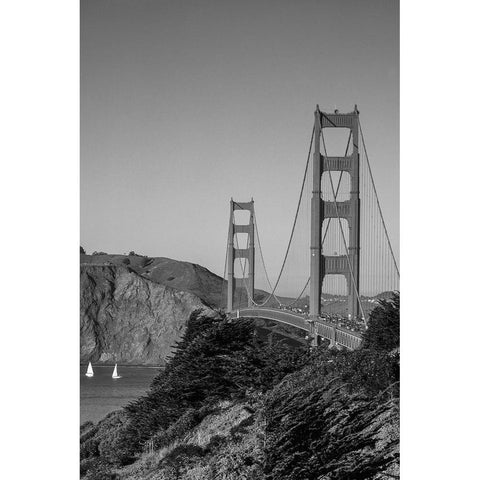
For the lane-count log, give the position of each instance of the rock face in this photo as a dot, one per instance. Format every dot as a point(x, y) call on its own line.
point(129, 319)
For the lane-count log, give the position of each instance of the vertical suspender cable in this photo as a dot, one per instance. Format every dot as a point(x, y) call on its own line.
point(378, 202)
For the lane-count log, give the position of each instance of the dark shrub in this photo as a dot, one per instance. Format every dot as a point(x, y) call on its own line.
point(325, 419)
point(367, 370)
point(186, 422)
point(317, 429)
point(383, 331)
point(186, 451)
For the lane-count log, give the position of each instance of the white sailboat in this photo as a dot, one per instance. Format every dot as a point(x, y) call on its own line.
point(115, 374)
point(89, 370)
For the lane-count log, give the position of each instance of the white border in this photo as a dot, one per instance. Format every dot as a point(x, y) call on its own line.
point(439, 234)
point(39, 240)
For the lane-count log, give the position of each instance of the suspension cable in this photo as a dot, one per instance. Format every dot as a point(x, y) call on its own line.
point(296, 217)
point(299, 296)
point(263, 263)
point(378, 201)
point(224, 271)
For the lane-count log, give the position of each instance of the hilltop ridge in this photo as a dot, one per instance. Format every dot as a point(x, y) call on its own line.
point(177, 274)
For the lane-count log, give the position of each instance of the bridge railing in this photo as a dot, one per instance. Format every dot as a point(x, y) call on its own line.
point(326, 331)
point(347, 338)
point(336, 335)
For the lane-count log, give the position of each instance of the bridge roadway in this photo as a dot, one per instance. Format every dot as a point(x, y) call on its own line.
point(336, 335)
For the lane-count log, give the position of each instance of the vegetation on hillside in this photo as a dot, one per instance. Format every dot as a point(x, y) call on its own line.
point(326, 419)
point(230, 406)
point(384, 325)
point(216, 360)
point(338, 418)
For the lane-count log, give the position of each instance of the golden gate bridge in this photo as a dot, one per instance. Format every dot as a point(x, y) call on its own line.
point(339, 257)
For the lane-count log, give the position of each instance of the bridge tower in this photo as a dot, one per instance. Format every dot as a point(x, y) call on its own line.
point(322, 265)
point(247, 253)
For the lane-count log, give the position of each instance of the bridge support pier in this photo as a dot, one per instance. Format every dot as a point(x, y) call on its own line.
point(333, 340)
point(313, 334)
point(246, 253)
point(349, 263)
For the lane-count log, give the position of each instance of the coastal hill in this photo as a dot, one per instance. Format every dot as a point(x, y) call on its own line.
point(133, 309)
point(185, 276)
point(129, 319)
point(180, 275)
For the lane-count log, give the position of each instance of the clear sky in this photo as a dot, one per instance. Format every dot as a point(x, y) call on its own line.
point(185, 104)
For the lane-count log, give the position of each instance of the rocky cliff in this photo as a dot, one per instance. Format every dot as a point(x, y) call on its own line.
point(128, 318)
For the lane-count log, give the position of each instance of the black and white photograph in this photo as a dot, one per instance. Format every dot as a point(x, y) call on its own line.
point(239, 259)
point(245, 180)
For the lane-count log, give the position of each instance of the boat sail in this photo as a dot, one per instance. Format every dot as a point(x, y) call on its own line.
point(115, 374)
point(89, 370)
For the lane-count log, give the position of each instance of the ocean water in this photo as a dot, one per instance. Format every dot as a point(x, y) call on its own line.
point(101, 394)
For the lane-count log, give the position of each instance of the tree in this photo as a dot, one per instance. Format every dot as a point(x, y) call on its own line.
point(216, 359)
point(317, 429)
point(82, 251)
point(326, 420)
point(383, 331)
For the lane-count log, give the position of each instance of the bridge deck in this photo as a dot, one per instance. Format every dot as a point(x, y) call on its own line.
point(337, 335)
